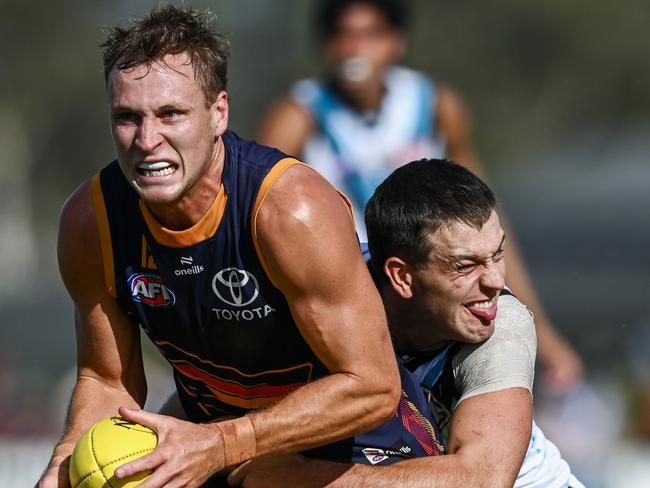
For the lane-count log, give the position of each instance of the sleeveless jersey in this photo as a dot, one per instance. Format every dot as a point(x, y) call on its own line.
point(205, 299)
point(356, 151)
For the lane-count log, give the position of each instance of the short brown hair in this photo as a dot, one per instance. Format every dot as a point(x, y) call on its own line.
point(415, 201)
point(171, 30)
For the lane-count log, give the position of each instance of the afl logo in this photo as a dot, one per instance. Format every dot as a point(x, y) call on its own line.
point(236, 287)
point(150, 289)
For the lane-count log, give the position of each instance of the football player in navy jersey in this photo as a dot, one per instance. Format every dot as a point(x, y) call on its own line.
point(438, 259)
point(240, 264)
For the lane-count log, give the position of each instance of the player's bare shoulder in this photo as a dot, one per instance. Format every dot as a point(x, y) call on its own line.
point(302, 198)
point(304, 224)
point(451, 107)
point(78, 247)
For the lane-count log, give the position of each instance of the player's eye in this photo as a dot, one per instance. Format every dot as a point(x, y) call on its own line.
point(124, 117)
point(499, 255)
point(465, 268)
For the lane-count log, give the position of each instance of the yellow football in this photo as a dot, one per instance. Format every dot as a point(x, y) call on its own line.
point(105, 447)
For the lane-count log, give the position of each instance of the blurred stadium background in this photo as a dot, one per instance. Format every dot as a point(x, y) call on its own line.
point(559, 94)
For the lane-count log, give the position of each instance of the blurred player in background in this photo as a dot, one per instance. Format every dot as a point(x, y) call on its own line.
point(368, 116)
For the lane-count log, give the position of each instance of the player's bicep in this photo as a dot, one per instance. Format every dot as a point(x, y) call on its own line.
point(493, 430)
point(108, 347)
point(308, 240)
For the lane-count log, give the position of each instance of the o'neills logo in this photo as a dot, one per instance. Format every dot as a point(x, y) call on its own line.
point(190, 269)
point(193, 270)
point(149, 288)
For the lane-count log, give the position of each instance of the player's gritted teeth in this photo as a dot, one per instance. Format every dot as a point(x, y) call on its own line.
point(157, 168)
point(485, 310)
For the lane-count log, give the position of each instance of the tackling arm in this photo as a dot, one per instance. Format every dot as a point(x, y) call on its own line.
point(489, 433)
point(487, 443)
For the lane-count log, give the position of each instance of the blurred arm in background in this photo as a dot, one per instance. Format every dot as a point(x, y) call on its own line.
point(562, 367)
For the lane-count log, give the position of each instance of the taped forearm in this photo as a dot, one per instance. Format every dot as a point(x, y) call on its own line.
point(239, 443)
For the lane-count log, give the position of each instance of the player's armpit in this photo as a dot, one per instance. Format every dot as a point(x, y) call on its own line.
point(286, 126)
point(307, 239)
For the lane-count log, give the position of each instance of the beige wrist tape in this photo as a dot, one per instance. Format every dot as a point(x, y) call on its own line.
point(239, 442)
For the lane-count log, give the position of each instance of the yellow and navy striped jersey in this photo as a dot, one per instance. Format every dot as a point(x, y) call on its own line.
point(206, 299)
point(203, 296)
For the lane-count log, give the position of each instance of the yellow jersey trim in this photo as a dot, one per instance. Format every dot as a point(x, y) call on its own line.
point(202, 230)
point(268, 181)
point(273, 176)
point(104, 234)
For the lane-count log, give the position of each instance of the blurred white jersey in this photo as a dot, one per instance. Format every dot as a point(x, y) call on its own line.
point(543, 466)
point(356, 151)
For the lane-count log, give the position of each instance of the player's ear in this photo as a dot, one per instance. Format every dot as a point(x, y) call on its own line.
point(400, 277)
point(219, 113)
point(399, 47)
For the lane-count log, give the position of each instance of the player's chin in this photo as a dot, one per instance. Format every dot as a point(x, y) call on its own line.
point(477, 331)
point(157, 194)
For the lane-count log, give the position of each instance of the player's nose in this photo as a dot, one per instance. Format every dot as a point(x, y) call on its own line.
point(148, 135)
point(493, 277)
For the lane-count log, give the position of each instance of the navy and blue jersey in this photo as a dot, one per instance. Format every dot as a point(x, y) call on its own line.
point(409, 433)
point(205, 297)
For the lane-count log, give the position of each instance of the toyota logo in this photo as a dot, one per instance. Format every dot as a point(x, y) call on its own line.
point(230, 285)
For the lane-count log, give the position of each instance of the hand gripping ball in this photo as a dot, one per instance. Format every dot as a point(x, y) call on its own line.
point(105, 447)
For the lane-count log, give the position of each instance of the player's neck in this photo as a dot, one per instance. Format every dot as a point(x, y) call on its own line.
point(195, 203)
point(363, 100)
point(410, 330)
